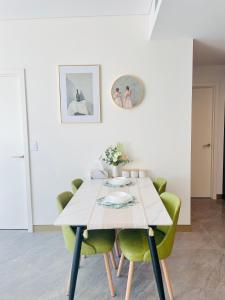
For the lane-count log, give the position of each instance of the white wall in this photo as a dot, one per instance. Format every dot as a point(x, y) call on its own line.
point(157, 134)
point(215, 76)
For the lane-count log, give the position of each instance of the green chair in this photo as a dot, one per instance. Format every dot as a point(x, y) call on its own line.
point(160, 185)
point(75, 184)
point(98, 241)
point(134, 243)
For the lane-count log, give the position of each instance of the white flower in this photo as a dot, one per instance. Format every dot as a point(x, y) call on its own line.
point(113, 154)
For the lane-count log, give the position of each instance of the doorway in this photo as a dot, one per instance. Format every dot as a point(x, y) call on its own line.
point(202, 142)
point(15, 191)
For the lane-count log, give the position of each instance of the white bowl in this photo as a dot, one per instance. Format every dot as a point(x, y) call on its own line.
point(118, 198)
point(117, 181)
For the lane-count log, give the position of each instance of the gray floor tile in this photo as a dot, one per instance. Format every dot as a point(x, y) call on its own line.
point(35, 266)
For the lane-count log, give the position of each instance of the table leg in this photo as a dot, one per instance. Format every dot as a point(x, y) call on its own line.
point(76, 261)
point(155, 263)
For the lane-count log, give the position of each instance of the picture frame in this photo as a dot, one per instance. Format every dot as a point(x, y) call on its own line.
point(127, 91)
point(79, 88)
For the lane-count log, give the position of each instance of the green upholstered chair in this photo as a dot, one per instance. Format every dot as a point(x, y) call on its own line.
point(160, 185)
point(134, 243)
point(75, 184)
point(98, 241)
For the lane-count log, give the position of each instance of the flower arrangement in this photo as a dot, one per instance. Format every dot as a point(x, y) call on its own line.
point(114, 155)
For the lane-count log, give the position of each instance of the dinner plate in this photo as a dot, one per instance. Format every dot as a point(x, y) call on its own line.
point(118, 181)
point(118, 198)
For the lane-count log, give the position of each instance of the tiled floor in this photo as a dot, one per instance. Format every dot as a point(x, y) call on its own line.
point(35, 266)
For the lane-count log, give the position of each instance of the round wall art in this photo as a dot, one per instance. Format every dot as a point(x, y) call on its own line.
point(127, 91)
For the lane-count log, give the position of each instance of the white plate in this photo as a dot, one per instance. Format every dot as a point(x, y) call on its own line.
point(118, 198)
point(118, 181)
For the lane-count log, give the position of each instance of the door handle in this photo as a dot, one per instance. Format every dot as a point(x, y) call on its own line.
point(17, 156)
point(206, 145)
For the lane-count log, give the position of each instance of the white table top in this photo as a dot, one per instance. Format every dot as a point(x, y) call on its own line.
point(83, 209)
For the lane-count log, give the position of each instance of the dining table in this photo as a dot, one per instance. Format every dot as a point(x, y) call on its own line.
point(84, 213)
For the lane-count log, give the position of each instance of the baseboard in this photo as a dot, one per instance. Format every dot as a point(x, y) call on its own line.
point(184, 228)
point(38, 228)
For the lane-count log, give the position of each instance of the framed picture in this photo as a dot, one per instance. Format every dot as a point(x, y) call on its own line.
point(79, 94)
point(127, 91)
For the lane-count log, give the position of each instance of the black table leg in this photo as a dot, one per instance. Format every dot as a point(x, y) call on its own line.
point(76, 261)
point(155, 264)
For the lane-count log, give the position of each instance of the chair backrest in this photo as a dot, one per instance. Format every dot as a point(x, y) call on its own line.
point(68, 234)
point(75, 184)
point(160, 185)
point(172, 204)
point(63, 199)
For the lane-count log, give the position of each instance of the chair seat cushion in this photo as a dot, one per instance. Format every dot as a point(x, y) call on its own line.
point(98, 241)
point(134, 243)
point(101, 241)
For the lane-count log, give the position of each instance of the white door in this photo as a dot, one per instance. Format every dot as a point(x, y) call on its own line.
point(202, 114)
point(13, 204)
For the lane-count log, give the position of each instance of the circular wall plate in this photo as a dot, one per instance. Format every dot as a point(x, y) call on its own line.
point(127, 91)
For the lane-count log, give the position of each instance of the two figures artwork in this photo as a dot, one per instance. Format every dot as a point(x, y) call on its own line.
point(125, 101)
point(127, 91)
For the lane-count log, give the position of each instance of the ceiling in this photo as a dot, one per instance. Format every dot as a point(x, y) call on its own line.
point(28, 9)
point(203, 20)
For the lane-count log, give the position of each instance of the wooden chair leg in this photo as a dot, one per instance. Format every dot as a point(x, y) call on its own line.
point(113, 261)
point(120, 265)
point(167, 279)
point(109, 274)
point(129, 280)
point(116, 247)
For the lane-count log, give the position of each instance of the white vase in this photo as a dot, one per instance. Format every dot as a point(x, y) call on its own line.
point(115, 171)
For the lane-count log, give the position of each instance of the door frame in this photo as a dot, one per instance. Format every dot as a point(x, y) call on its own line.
point(213, 175)
point(20, 75)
